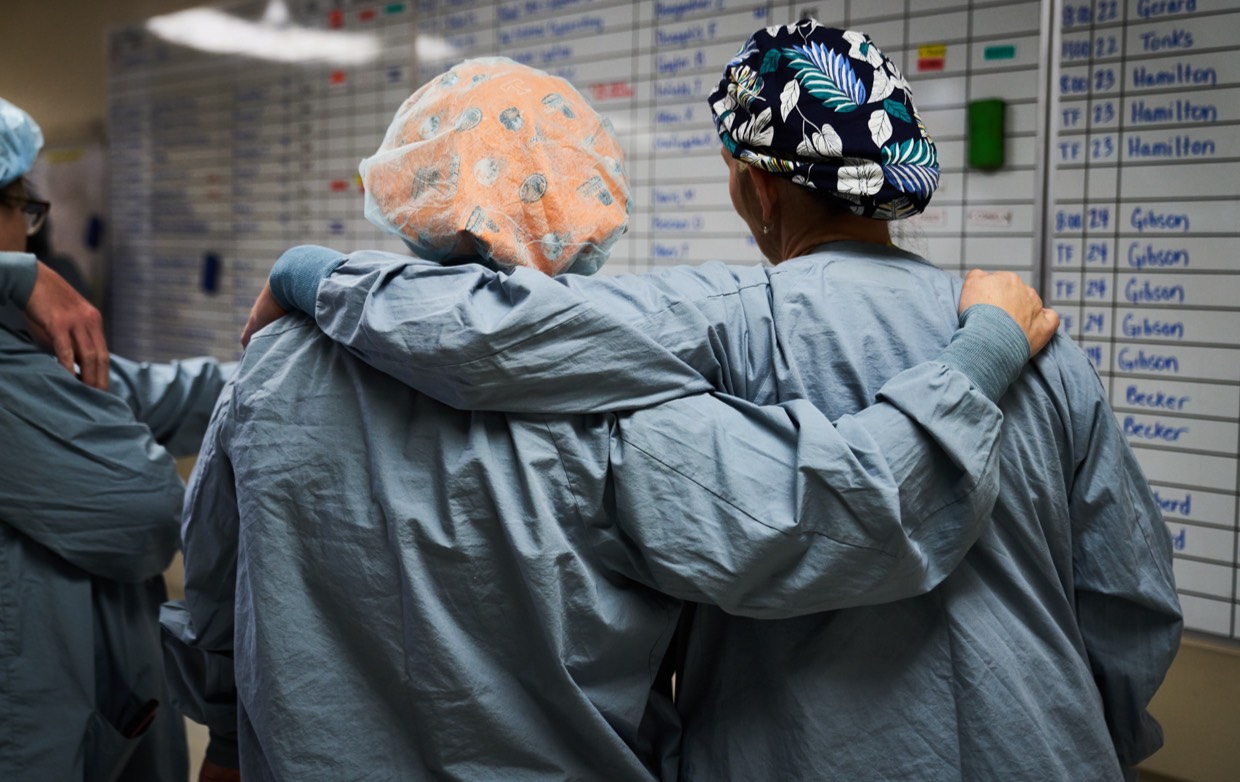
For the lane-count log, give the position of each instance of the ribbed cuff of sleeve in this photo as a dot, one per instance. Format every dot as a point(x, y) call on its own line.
point(989, 349)
point(296, 276)
point(18, 272)
point(222, 751)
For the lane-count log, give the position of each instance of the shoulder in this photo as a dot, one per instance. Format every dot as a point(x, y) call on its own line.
point(1061, 382)
point(290, 359)
point(28, 374)
point(280, 342)
point(1064, 364)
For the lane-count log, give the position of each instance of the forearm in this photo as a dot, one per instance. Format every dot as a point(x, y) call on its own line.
point(174, 400)
point(475, 338)
point(18, 272)
point(774, 512)
point(522, 342)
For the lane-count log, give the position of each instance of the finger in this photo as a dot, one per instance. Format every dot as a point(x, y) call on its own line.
point(62, 346)
point(98, 355)
point(85, 360)
point(1052, 317)
point(99, 350)
point(1042, 330)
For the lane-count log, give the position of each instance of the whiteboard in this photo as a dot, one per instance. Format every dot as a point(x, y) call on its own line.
point(1144, 133)
point(1118, 196)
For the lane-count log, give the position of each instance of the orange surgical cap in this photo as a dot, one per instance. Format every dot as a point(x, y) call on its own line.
point(498, 160)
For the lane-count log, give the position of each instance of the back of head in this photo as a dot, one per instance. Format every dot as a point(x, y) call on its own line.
point(499, 162)
point(824, 108)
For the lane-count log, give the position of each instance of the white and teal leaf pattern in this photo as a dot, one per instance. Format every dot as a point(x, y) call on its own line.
point(882, 87)
point(822, 144)
point(880, 127)
point(912, 166)
point(862, 49)
point(770, 62)
point(860, 177)
point(916, 151)
point(788, 98)
point(827, 75)
point(756, 131)
point(896, 108)
point(912, 178)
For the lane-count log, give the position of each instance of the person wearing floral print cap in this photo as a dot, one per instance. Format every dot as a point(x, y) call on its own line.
point(830, 111)
point(1032, 658)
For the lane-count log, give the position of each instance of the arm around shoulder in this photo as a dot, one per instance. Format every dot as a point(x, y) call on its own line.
point(775, 512)
point(174, 400)
point(476, 338)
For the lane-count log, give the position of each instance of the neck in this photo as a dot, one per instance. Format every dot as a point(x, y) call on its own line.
point(803, 235)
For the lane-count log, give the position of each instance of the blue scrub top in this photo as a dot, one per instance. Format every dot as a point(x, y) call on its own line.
point(89, 510)
point(390, 588)
point(1034, 659)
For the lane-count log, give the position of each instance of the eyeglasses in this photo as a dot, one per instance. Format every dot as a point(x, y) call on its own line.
point(33, 209)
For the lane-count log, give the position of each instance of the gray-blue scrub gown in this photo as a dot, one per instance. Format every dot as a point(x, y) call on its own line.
point(423, 593)
point(1035, 659)
point(89, 507)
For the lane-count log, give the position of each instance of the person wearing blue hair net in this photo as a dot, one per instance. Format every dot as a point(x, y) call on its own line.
point(1034, 659)
point(65, 322)
point(89, 511)
point(410, 592)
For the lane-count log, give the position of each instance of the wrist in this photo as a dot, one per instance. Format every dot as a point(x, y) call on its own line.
point(18, 274)
point(989, 348)
point(296, 276)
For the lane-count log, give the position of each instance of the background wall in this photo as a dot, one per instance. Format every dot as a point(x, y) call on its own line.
point(53, 63)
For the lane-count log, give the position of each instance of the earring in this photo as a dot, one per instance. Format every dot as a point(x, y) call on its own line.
point(766, 229)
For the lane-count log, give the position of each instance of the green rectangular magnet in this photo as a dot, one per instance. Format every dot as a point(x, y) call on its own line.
point(987, 133)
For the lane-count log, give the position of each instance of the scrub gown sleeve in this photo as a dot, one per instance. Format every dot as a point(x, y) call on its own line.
point(174, 400)
point(18, 273)
point(475, 338)
point(1127, 609)
point(772, 512)
point(81, 476)
point(519, 341)
point(198, 632)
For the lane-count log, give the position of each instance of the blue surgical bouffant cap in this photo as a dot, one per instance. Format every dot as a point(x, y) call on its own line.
point(20, 142)
point(825, 108)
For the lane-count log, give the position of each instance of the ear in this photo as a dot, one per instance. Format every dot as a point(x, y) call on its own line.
point(766, 189)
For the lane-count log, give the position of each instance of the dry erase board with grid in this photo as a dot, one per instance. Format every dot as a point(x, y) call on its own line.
point(1120, 193)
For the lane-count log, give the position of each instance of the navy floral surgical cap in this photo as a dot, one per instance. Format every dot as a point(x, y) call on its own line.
point(825, 108)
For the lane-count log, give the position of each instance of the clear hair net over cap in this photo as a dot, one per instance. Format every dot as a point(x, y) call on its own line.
point(497, 160)
point(20, 142)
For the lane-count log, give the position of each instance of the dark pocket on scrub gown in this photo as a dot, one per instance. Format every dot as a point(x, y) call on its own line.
point(108, 748)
